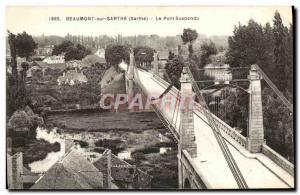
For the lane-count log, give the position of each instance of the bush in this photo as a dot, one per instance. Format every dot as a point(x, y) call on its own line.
point(115, 145)
point(138, 156)
point(18, 142)
point(82, 144)
point(148, 150)
point(25, 120)
point(38, 150)
point(99, 150)
point(166, 144)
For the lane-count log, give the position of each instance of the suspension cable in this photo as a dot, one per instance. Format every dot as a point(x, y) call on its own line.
point(241, 182)
point(275, 89)
point(175, 109)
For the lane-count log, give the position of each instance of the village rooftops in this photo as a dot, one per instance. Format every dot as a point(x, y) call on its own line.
point(123, 173)
point(71, 77)
point(73, 171)
point(93, 59)
point(44, 65)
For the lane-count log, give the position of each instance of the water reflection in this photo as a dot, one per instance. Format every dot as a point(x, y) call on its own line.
point(124, 155)
point(52, 157)
point(163, 150)
point(53, 135)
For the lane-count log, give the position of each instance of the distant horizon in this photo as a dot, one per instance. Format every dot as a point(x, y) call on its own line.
point(201, 34)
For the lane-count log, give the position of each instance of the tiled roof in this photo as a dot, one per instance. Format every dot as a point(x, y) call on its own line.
point(73, 171)
point(73, 75)
point(121, 171)
point(44, 65)
point(93, 59)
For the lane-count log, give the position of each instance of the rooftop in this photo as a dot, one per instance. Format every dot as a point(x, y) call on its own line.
point(73, 171)
point(122, 171)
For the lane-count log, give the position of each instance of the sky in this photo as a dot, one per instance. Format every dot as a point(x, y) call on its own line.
point(211, 20)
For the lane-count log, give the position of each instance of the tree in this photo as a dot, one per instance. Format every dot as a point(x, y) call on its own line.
point(62, 47)
point(171, 55)
point(174, 68)
point(25, 120)
point(114, 54)
point(236, 106)
point(207, 49)
point(272, 49)
point(143, 54)
point(280, 52)
point(278, 124)
point(268, 51)
point(189, 36)
point(25, 67)
point(13, 53)
point(170, 42)
point(25, 45)
point(77, 52)
point(246, 45)
point(289, 66)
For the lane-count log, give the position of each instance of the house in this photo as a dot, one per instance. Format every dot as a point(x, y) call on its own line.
point(55, 59)
point(71, 77)
point(163, 57)
point(75, 64)
point(44, 65)
point(219, 72)
point(18, 176)
point(100, 53)
point(44, 51)
point(33, 69)
point(72, 171)
point(90, 60)
point(123, 174)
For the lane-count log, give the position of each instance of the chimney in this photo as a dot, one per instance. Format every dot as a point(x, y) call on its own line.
point(187, 134)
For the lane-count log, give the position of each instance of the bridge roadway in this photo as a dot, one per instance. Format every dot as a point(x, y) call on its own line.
point(258, 170)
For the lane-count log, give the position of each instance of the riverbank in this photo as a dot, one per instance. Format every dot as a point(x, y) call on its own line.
point(138, 138)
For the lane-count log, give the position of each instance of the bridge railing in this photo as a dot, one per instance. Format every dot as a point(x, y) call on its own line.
point(163, 119)
point(224, 127)
point(221, 124)
point(278, 159)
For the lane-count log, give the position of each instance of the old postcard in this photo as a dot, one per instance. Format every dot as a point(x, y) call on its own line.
point(149, 97)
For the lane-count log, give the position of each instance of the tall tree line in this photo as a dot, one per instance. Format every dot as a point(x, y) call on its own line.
point(271, 47)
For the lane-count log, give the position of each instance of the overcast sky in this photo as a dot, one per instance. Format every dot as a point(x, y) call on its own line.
point(212, 20)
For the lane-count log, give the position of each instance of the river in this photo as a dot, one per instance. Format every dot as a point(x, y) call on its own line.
point(54, 135)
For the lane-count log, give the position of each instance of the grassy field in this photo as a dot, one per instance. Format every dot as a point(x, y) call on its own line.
point(105, 121)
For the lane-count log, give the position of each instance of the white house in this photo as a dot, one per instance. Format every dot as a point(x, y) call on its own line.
point(71, 77)
point(219, 72)
point(100, 53)
point(54, 59)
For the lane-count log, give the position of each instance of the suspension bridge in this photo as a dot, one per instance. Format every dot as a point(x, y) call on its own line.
point(211, 154)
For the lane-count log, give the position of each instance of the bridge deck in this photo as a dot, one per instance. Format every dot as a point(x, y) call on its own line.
point(258, 170)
